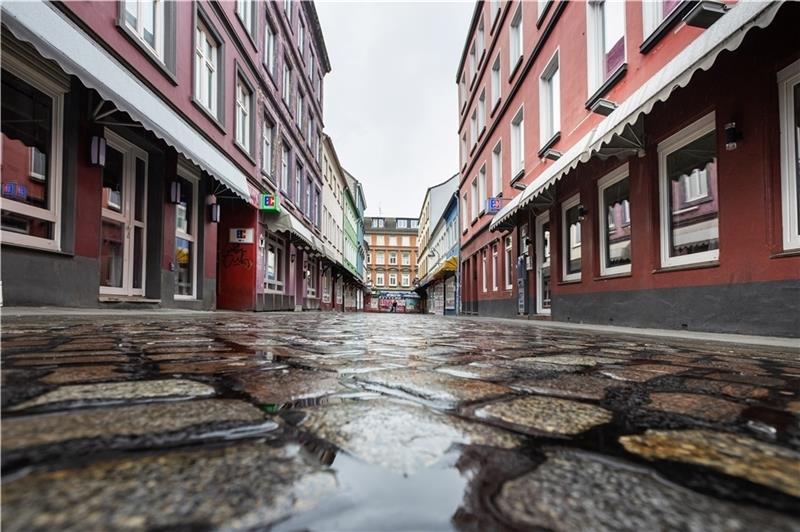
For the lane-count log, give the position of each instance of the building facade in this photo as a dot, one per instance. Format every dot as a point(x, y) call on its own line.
point(440, 288)
point(429, 250)
point(391, 264)
point(333, 198)
point(662, 201)
point(353, 247)
point(180, 161)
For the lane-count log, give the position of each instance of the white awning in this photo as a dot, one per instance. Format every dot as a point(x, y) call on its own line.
point(725, 34)
point(286, 221)
point(57, 38)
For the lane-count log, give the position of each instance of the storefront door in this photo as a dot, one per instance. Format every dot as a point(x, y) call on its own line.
point(542, 241)
point(122, 238)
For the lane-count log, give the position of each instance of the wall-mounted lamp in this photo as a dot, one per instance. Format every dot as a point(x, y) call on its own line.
point(705, 13)
point(582, 212)
point(175, 192)
point(552, 154)
point(732, 136)
point(215, 212)
point(518, 185)
point(603, 107)
point(292, 256)
point(97, 153)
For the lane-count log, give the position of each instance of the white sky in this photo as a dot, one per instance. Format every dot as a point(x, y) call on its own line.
point(390, 101)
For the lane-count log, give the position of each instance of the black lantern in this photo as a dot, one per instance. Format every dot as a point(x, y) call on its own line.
point(582, 212)
point(732, 136)
point(215, 212)
point(97, 154)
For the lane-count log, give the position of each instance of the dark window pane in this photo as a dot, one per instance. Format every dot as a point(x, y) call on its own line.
point(616, 200)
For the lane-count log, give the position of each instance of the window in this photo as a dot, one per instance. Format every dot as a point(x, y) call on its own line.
point(269, 49)
point(483, 270)
point(379, 258)
point(392, 240)
point(369, 258)
point(462, 90)
point(789, 105)
point(494, 267)
point(32, 111)
point(605, 40)
point(473, 128)
point(482, 188)
point(509, 263)
point(298, 115)
point(309, 210)
point(464, 212)
point(392, 279)
point(475, 199)
point(549, 102)
point(311, 278)
point(615, 227)
point(406, 258)
point(541, 8)
point(244, 9)
point(145, 19)
point(497, 169)
point(494, 9)
point(311, 63)
point(301, 38)
point(654, 12)
point(402, 224)
point(496, 82)
point(285, 167)
point(287, 83)
point(482, 112)
point(206, 69)
point(244, 97)
point(316, 211)
point(267, 130)
point(515, 49)
point(571, 239)
point(379, 240)
point(473, 62)
point(310, 134)
point(392, 258)
point(287, 8)
point(298, 184)
point(480, 41)
point(687, 163)
point(275, 270)
point(414, 224)
point(405, 280)
point(406, 242)
point(185, 231)
point(517, 144)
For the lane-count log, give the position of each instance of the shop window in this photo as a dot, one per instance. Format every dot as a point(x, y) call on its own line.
point(615, 226)
point(483, 271)
point(509, 263)
point(185, 240)
point(605, 40)
point(789, 104)
point(571, 238)
point(311, 279)
point(550, 102)
point(494, 267)
point(32, 111)
point(275, 266)
point(689, 207)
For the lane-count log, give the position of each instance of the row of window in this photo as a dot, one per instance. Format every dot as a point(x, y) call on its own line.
point(508, 267)
point(405, 279)
point(401, 223)
point(380, 258)
point(381, 240)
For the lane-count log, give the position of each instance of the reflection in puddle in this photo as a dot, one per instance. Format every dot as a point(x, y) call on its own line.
point(375, 498)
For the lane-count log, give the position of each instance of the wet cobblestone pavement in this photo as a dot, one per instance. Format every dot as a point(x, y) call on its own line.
point(390, 422)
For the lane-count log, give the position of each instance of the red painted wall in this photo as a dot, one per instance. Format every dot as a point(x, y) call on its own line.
point(236, 279)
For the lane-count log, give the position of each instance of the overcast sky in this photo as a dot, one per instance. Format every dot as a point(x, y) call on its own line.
point(391, 99)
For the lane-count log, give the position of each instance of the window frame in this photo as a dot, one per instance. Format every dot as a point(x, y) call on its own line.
point(566, 240)
point(270, 48)
point(612, 178)
point(497, 80)
point(494, 268)
point(518, 122)
point(267, 152)
point(240, 77)
point(695, 130)
point(595, 45)
point(217, 114)
point(550, 101)
point(497, 169)
point(515, 34)
point(159, 21)
point(482, 189)
point(194, 179)
point(484, 286)
point(788, 79)
point(509, 253)
point(56, 89)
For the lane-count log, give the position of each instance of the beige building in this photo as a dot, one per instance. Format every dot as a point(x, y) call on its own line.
point(391, 263)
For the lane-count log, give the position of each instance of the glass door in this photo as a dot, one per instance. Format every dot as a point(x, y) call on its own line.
point(543, 263)
point(122, 228)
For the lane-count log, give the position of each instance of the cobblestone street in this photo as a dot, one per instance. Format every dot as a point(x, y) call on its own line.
point(399, 422)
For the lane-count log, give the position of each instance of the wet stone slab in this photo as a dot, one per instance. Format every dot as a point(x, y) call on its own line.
point(733, 454)
point(239, 486)
point(642, 372)
point(84, 374)
point(580, 491)
point(119, 391)
point(28, 431)
point(399, 436)
point(434, 386)
point(285, 386)
point(695, 405)
point(569, 386)
point(545, 415)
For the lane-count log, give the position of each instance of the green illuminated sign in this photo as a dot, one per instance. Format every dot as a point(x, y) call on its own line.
point(269, 203)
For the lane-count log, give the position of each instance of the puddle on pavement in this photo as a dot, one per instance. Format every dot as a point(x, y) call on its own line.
point(374, 498)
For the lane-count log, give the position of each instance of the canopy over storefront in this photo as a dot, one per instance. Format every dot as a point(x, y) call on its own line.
point(620, 131)
point(57, 38)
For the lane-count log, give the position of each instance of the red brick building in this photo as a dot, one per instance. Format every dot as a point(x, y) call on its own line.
point(645, 155)
point(138, 141)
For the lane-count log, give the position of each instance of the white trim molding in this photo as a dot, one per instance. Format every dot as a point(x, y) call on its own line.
point(565, 241)
point(612, 178)
point(788, 82)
